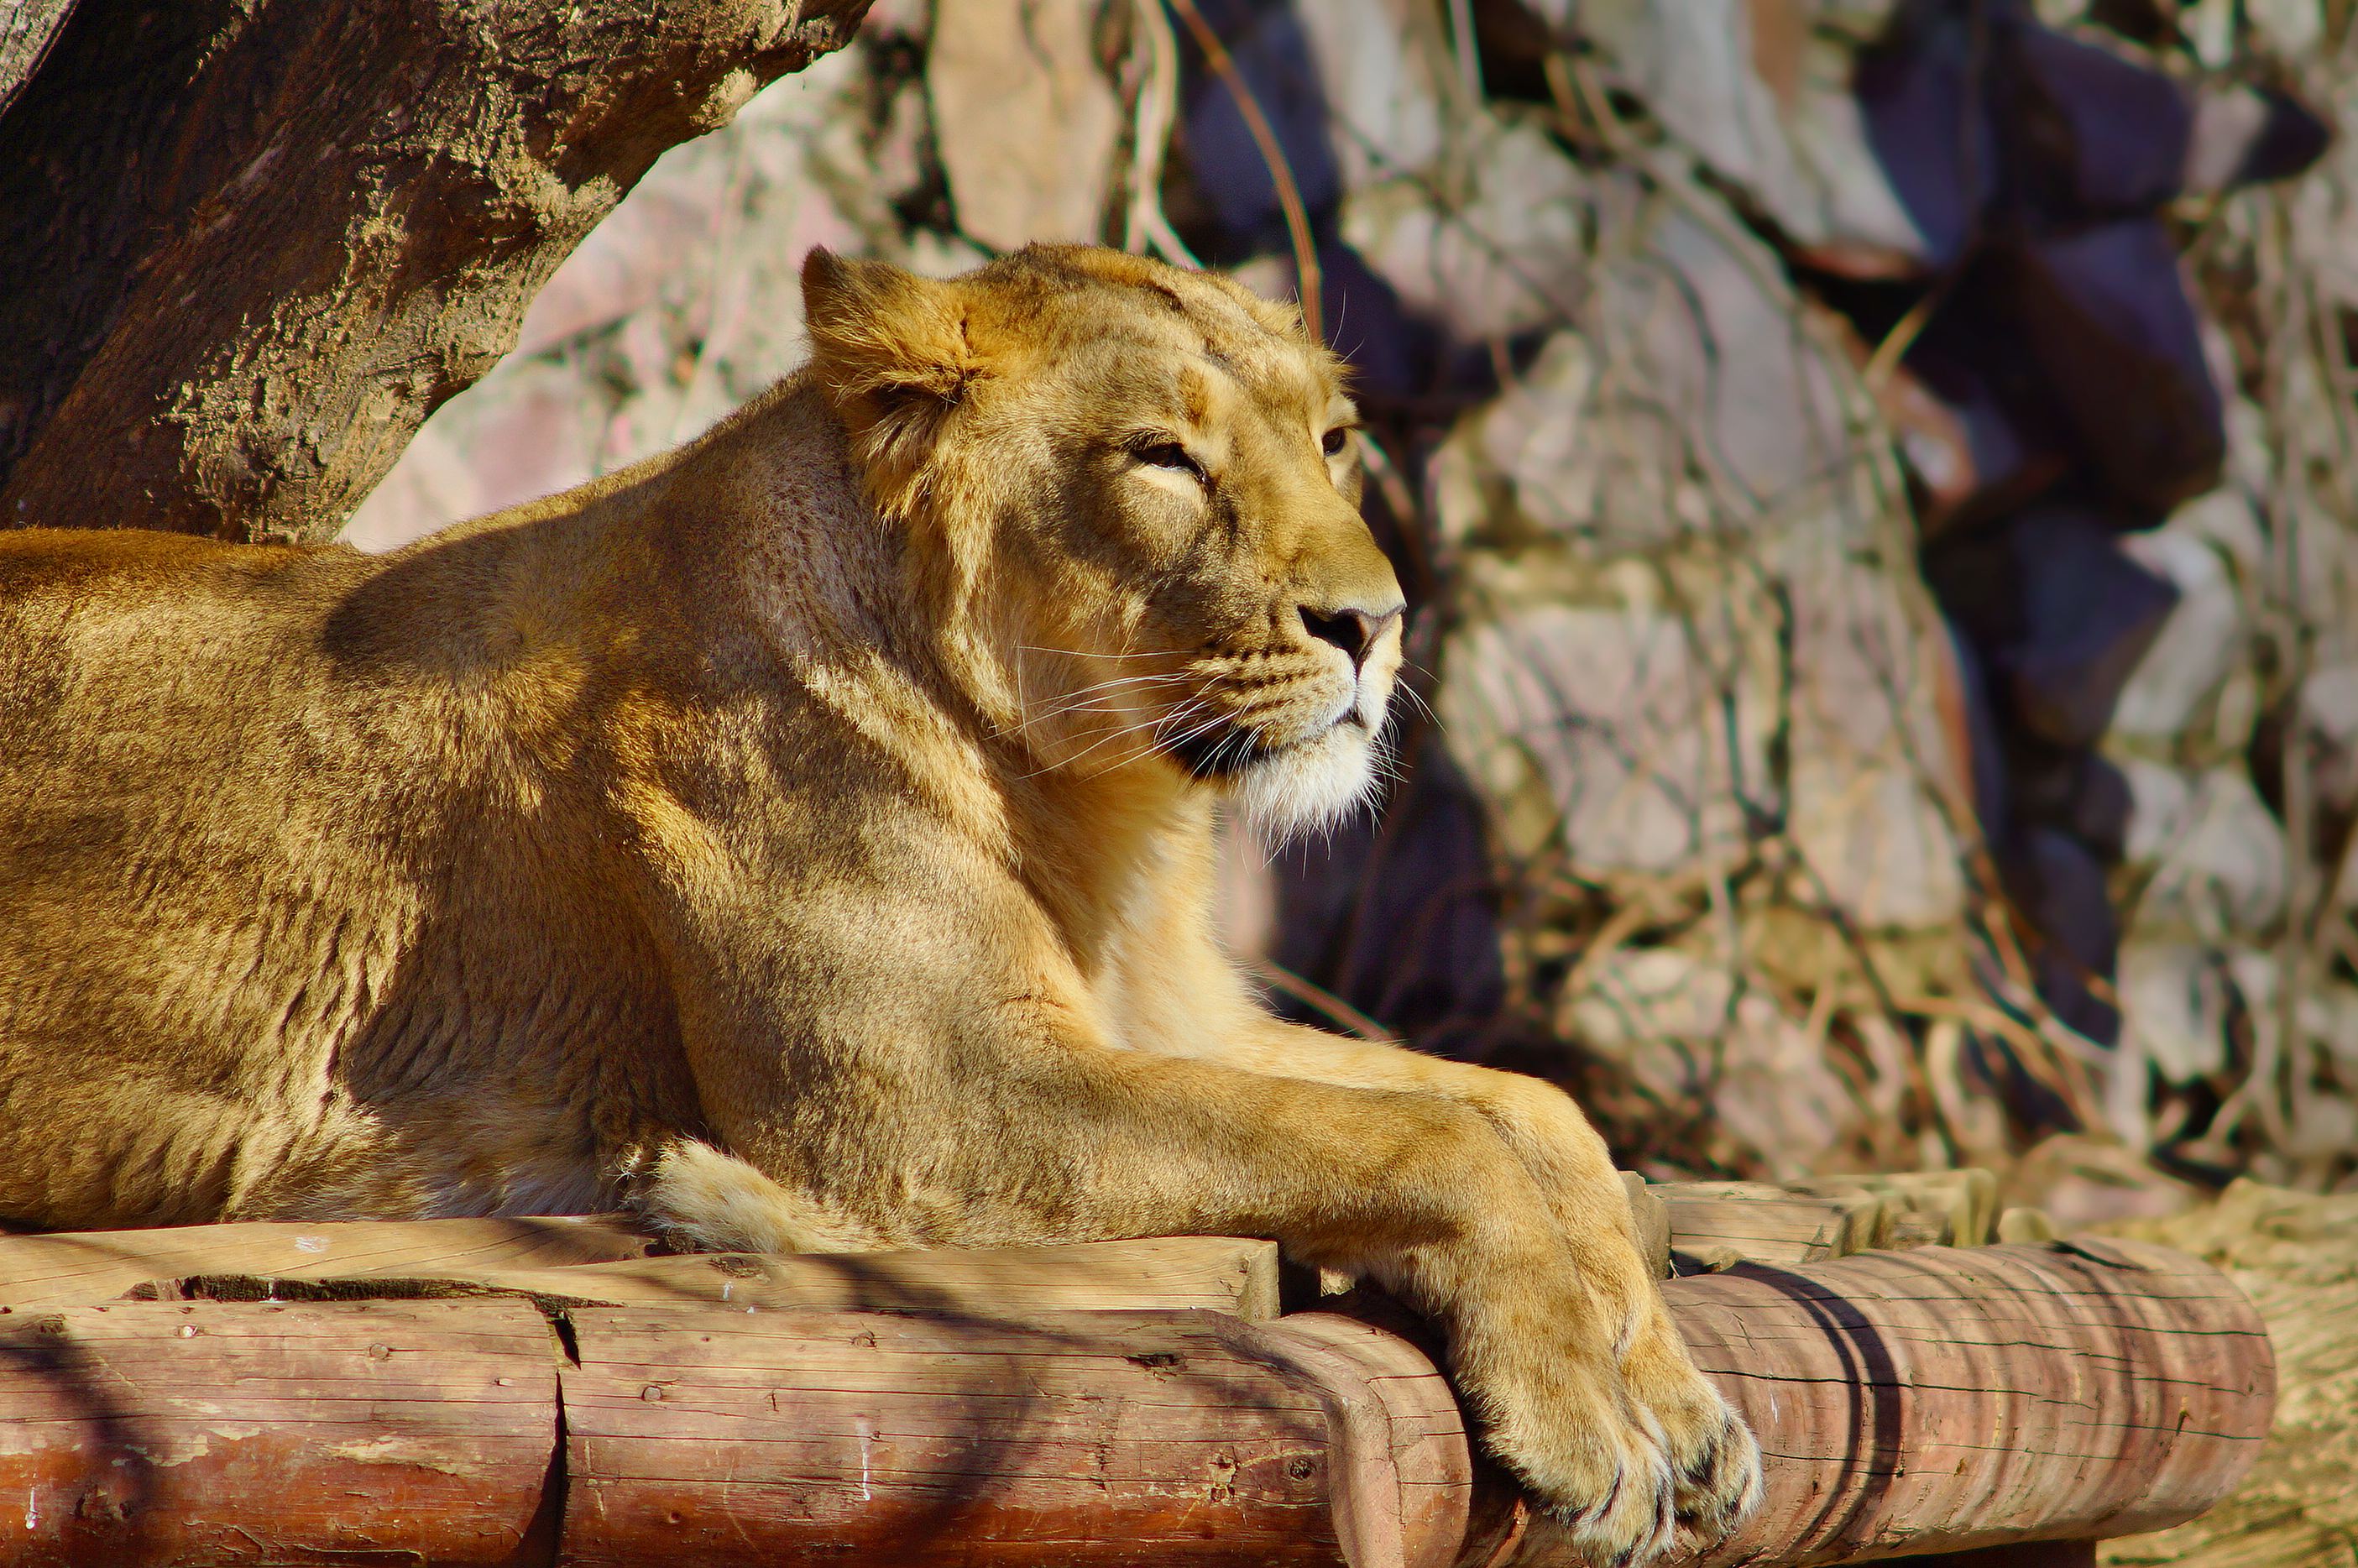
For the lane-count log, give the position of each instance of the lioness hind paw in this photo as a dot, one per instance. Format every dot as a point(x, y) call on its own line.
point(699, 1199)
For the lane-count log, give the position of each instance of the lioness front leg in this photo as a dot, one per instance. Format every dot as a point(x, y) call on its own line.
point(1073, 1142)
point(1716, 1463)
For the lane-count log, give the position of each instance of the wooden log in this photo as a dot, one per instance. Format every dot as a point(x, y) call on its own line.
point(1934, 1401)
point(2024, 1227)
point(2026, 1555)
point(1910, 1403)
point(1173, 1272)
point(1953, 1208)
point(1652, 1217)
point(154, 1433)
point(697, 1435)
point(1950, 1399)
point(1713, 1223)
point(67, 1268)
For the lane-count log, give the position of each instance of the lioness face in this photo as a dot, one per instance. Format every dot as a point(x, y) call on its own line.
point(1177, 576)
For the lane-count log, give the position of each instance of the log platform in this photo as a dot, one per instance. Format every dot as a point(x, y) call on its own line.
point(543, 1391)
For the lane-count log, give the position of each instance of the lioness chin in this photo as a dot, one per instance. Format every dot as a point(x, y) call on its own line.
point(803, 839)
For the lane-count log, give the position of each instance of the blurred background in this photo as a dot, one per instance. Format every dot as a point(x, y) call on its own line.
point(1874, 479)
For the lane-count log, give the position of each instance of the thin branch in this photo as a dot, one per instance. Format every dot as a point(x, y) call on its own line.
point(1277, 977)
point(1273, 153)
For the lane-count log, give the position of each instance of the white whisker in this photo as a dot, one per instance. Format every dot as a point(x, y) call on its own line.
point(1170, 744)
point(1143, 726)
point(1088, 697)
point(1078, 653)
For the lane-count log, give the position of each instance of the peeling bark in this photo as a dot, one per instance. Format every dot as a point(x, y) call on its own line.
point(246, 247)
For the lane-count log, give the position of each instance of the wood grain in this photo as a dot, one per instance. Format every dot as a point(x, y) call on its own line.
point(148, 1432)
point(2294, 1255)
point(1764, 1223)
point(1652, 1217)
point(1954, 1208)
point(718, 1438)
point(67, 1267)
point(1173, 1272)
point(2027, 1554)
point(1828, 1217)
point(1939, 1399)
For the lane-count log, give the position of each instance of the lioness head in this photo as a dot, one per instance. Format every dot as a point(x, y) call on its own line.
point(1132, 496)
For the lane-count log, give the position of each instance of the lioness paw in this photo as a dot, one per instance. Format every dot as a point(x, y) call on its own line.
point(1714, 1462)
point(1617, 1498)
point(1594, 1462)
point(1634, 1456)
point(1717, 1480)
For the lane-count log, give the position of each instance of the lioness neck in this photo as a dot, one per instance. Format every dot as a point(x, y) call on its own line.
point(765, 517)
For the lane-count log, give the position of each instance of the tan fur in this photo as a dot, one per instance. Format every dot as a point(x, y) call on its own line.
point(802, 837)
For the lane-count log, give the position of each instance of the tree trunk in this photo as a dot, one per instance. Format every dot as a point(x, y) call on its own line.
point(246, 247)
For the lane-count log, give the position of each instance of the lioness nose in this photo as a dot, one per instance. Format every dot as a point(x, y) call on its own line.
point(1353, 631)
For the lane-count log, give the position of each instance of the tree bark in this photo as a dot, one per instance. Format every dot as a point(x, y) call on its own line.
point(26, 30)
point(246, 247)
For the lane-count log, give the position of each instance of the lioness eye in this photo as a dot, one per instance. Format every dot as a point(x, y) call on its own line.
point(1169, 455)
point(1336, 439)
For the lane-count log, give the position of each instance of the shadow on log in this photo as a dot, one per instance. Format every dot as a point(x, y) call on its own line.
point(150, 1432)
point(1940, 1399)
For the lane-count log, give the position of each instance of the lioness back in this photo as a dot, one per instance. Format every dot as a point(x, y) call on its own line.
point(255, 802)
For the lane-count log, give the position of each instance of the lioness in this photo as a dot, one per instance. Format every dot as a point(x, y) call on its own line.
point(803, 839)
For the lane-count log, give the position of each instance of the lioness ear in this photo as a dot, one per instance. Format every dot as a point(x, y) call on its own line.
point(891, 350)
point(877, 329)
